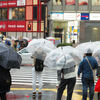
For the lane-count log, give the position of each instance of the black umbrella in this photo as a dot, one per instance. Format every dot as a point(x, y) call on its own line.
point(9, 57)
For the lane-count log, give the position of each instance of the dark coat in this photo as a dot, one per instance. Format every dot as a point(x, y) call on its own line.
point(5, 80)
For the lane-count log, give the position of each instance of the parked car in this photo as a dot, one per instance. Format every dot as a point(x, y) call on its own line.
point(26, 57)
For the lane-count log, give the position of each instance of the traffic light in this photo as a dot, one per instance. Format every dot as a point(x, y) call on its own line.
point(29, 27)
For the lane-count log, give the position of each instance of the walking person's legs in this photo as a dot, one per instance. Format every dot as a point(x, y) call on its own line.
point(70, 88)
point(3, 96)
point(98, 95)
point(91, 89)
point(61, 88)
point(85, 87)
point(34, 76)
point(40, 81)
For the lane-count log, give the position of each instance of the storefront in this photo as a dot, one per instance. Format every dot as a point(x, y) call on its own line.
point(78, 27)
point(23, 18)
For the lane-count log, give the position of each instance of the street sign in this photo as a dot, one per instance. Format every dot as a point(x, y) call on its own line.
point(84, 16)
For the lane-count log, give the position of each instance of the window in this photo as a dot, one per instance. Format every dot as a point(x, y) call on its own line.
point(95, 2)
point(17, 13)
point(57, 2)
point(35, 13)
point(83, 2)
point(43, 12)
point(3, 14)
point(70, 2)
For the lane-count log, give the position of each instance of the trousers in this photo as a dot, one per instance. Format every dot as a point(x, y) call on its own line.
point(88, 83)
point(70, 83)
point(3, 96)
point(36, 75)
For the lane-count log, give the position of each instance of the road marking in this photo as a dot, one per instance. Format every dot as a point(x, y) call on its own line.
point(75, 95)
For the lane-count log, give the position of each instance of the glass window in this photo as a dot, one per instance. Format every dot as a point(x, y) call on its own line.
point(95, 2)
point(83, 2)
point(57, 2)
point(3, 14)
point(35, 12)
point(70, 2)
point(17, 13)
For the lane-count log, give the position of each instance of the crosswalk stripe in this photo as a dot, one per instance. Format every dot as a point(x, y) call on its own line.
point(24, 76)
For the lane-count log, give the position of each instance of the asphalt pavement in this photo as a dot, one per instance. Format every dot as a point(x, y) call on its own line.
point(22, 91)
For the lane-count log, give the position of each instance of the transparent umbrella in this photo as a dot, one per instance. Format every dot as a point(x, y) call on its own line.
point(54, 55)
point(65, 61)
point(40, 47)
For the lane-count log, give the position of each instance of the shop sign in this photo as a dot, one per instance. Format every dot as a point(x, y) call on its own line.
point(12, 3)
point(69, 16)
point(3, 25)
point(3, 3)
point(20, 2)
point(94, 16)
point(11, 26)
point(57, 16)
point(20, 26)
point(84, 16)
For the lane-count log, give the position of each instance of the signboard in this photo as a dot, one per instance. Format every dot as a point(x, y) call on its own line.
point(94, 16)
point(20, 26)
point(12, 3)
point(57, 16)
point(69, 16)
point(3, 26)
point(20, 2)
point(3, 3)
point(84, 16)
point(14, 26)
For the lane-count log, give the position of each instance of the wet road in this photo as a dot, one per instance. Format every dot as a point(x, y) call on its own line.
point(21, 88)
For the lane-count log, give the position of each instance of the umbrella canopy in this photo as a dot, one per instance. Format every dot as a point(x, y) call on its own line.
point(9, 57)
point(66, 61)
point(40, 48)
point(54, 55)
point(88, 45)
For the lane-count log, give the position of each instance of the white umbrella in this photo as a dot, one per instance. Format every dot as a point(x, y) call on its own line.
point(40, 48)
point(54, 55)
point(66, 61)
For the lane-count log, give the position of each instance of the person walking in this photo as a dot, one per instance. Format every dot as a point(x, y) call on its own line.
point(66, 77)
point(86, 67)
point(5, 82)
point(37, 72)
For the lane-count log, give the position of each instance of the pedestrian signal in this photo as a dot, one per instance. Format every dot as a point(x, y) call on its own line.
point(29, 27)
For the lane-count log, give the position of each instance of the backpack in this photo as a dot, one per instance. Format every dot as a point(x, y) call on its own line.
point(39, 65)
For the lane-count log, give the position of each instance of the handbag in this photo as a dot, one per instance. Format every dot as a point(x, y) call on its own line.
point(97, 86)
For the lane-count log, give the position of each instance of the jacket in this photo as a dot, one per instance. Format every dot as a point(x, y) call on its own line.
point(5, 80)
point(85, 68)
point(66, 73)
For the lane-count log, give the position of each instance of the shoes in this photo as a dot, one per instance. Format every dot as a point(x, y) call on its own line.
point(39, 92)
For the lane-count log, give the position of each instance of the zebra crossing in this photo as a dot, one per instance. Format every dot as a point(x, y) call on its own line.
point(23, 76)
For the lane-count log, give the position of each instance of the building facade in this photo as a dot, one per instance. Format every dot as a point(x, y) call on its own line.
point(23, 18)
point(75, 20)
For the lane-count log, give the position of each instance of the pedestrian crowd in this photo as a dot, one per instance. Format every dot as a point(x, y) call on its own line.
point(17, 44)
point(66, 76)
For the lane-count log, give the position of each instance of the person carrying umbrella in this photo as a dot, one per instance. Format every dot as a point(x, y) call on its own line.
point(9, 58)
point(86, 67)
point(66, 76)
